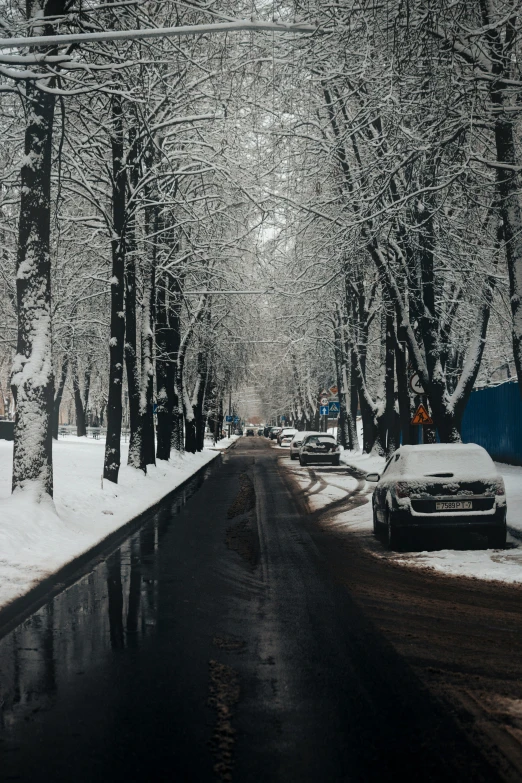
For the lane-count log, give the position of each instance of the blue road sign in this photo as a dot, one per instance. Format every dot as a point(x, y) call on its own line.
point(283, 418)
point(323, 410)
point(236, 419)
point(333, 408)
point(229, 419)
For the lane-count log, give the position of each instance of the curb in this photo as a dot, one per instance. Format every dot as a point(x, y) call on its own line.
point(22, 607)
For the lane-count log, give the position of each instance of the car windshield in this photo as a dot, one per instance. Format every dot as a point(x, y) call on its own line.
point(321, 439)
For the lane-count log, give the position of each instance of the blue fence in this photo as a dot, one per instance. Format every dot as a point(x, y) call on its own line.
point(493, 418)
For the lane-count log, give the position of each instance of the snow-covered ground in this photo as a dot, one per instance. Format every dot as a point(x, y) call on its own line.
point(36, 540)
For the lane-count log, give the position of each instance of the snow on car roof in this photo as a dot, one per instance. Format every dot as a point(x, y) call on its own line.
point(460, 459)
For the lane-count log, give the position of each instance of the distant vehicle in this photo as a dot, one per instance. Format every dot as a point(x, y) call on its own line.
point(286, 441)
point(285, 431)
point(297, 442)
point(439, 487)
point(250, 432)
point(274, 432)
point(238, 431)
point(260, 431)
point(320, 448)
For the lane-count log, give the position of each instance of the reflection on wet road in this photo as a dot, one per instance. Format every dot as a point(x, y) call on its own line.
point(72, 644)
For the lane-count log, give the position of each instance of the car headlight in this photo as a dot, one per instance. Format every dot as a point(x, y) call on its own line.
point(402, 490)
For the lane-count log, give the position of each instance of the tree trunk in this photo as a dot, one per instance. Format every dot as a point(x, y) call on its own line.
point(508, 179)
point(343, 433)
point(81, 428)
point(111, 466)
point(164, 374)
point(32, 377)
point(198, 408)
point(59, 394)
point(354, 402)
point(174, 344)
point(148, 455)
point(190, 435)
point(407, 433)
point(131, 353)
point(87, 385)
point(391, 443)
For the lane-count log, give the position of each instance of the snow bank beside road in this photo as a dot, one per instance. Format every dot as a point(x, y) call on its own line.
point(36, 540)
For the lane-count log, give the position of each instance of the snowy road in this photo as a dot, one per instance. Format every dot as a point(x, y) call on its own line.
point(245, 634)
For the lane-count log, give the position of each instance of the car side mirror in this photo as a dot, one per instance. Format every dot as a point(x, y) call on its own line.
point(372, 477)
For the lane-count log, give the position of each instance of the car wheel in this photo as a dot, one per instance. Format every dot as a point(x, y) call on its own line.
point(497, 539)
point(292, 456)
point(302, 461)
point(336, 462)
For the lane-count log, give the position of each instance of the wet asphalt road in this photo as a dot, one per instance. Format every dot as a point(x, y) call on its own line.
point(217, 643)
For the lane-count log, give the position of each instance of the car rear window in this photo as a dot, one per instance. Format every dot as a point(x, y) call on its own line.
point(448, 462)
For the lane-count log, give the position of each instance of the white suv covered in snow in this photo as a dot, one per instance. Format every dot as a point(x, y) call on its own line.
point(439, 486)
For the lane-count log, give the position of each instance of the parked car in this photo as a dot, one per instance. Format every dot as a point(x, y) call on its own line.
point(238, 431)
point(439, 487)
point(274, 432)
point(319, 448)
point(286, 441)
point(297, 442)
point(250, 431)
point(285, 431)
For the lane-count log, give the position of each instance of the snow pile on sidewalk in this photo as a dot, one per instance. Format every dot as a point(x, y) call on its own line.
point(38, 539)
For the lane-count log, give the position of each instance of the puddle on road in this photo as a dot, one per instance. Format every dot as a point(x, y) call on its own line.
point(112, 608)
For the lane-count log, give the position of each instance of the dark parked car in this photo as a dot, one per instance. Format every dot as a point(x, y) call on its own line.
point(260, 431)
point(319, 448)
point(250, 432)
point(274, 432)
point(439, 487)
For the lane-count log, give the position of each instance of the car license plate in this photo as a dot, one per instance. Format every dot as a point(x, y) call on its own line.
point(454, 505)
